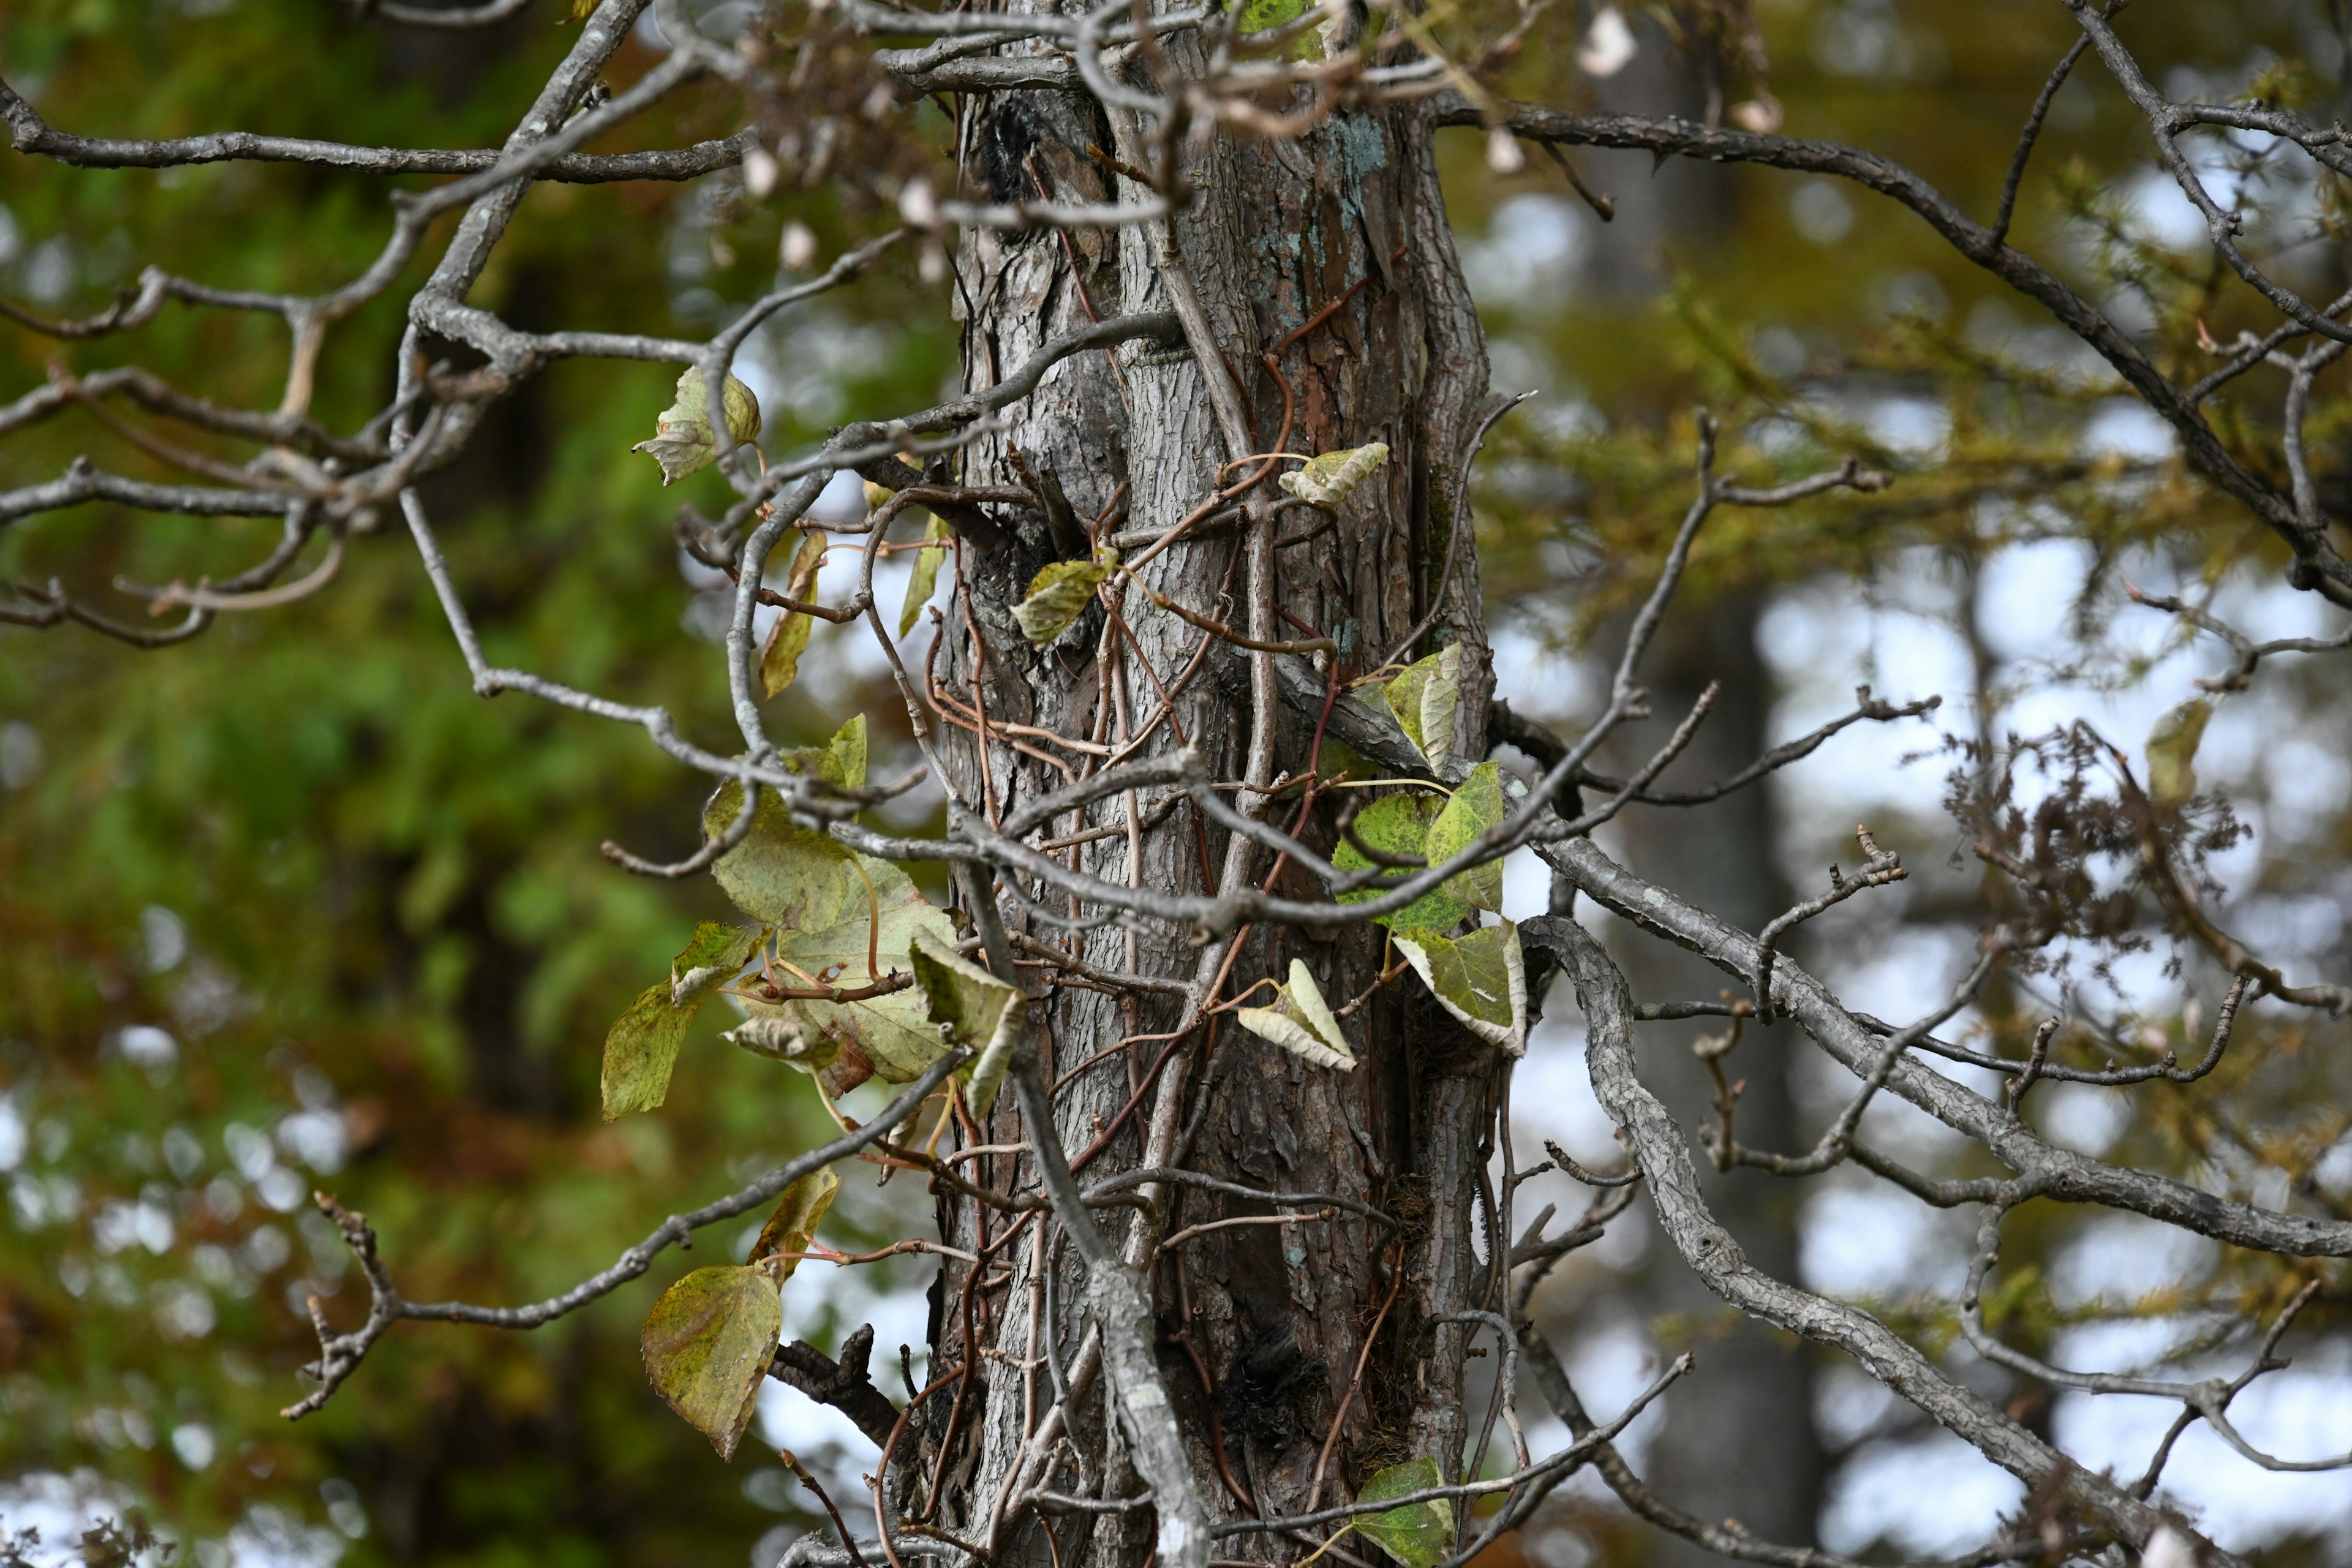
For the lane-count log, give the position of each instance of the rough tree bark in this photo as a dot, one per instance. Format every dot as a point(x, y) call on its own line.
point(1259, 1327)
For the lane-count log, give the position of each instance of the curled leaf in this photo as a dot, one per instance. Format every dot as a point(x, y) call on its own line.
point(1477, 806)
point(775, 1034)
point(1058, 594)
point(1480, 978)
point(972, 1007)
point(794, 1224)
point(1399, 825)
point(682, 442)
point(1326, 480)
point(1424, 699)
point(926, 578)
point(2172, 752)
point(706, 1347)
point(780, 660)
point(1301, 1022)
point(641, 1047)
point(1419, 1534)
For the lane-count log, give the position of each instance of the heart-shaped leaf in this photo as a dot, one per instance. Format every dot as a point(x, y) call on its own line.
point(707, 1345)
point(1399, 824)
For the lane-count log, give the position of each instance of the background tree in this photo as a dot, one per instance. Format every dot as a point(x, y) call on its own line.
point(1242, 241)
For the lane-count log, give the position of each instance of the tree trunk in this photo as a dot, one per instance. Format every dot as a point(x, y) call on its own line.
point(1260, 1327)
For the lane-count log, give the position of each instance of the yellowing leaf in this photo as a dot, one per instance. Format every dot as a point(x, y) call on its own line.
point(794, 1224)
point(973, 1007)
point(780, 660)
point(1326, 480)
point(641, 1048)
point(707, 1345)
point(1419, 1534)
point(925, 581)
point(1057, 595)
point(1301, 1022)
point(1424, 699)
point(682, 442)
point(1481, 979)
point(1477, 806)
point(640, 1051)
point(782, 874)
point(2172, 752)
point(892, 1032)
point(1399, 825)
point(840, 761)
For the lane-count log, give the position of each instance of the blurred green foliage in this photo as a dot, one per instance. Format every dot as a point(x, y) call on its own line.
point(349, 890)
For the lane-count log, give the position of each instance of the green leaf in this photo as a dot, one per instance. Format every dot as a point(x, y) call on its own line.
point(1301, 1022)
point(926, 578)
point(1326, 480)
point(794, 1224)
point(1419, 1534)
point(840, 761)
point(1481, 979)
point(1058, 594)
point(780, 660)
point(782, 874)
point(974, 1009)
point(682, 442)
point(640, 1051)
point(641, 1048)
point(707, 1345)
point(2172, 752)
point(1477, 805)
point(1399, 825)
point(1424, 699)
